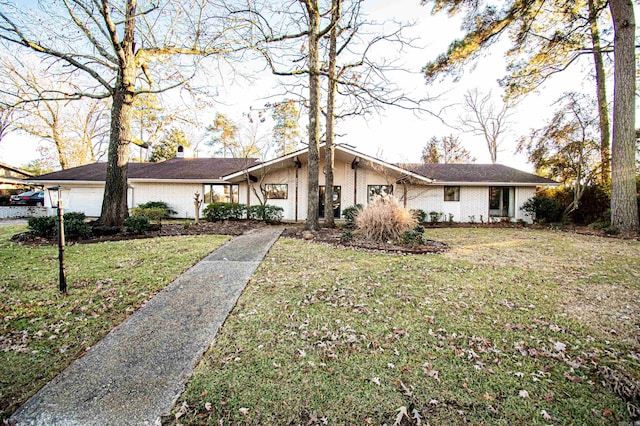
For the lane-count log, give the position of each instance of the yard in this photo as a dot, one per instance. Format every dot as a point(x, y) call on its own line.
point(511, 326)
point(41, 333)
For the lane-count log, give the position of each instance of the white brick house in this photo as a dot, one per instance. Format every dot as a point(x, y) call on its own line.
point(468, 192)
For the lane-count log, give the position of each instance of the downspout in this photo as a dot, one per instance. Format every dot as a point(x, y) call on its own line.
point(297, 164)
point(296, 214)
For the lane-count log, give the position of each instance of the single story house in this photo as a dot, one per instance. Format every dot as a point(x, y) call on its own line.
point(464, 192)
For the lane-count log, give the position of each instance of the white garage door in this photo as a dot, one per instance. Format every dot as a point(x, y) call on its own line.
point(86, 200)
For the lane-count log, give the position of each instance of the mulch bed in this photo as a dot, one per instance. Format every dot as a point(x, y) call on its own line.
point(332, 236)
point(166, 230)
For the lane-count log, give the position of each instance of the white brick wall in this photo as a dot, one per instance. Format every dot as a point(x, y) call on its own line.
point(522, 195)
point(178, 196)
point(474, 201)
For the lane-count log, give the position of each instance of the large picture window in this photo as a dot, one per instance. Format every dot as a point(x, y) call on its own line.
point(220, 193)
point(276, 191)
point(451, 193)
point(379, 190)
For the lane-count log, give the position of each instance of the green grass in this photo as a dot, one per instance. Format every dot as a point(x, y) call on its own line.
point(508, 327)
point(42, 332)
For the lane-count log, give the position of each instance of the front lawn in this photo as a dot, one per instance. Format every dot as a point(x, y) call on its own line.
point(41, 332)
point(511, 326)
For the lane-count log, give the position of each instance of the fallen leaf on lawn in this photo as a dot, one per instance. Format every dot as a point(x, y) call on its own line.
point(402, 412)
point(488, 397)
point(406, 390)
point(244, 411)
point(416, 416)
point(523, 394)
point(559, 347)
point(182, 411)
point(207, 406)
point(545, 415)
point(429, 371)
point(376, 380)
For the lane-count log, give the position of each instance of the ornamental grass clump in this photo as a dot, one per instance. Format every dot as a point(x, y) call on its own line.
point(384, 219)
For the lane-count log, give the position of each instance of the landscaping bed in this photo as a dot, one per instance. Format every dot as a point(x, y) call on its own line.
point(336, 237)
point(225, 227)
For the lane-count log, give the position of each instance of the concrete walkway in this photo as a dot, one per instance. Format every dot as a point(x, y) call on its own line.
point(137, 372)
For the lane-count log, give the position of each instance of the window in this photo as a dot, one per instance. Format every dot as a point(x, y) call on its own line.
point(379, 190)
point(276, 191)
point(502, 201)
point(452, 193)
point(220, 193)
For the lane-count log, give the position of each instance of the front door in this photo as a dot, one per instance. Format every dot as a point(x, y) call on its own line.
point(336, 202)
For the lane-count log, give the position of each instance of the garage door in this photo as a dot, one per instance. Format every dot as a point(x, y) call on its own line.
point(86, 200)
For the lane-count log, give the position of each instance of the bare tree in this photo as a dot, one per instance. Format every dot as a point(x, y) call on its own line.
point(446, 150)
point(75, 128)
point(6, 118)
point(484, 119)
point(337, 30)
point(112, 51)
point(332, 87)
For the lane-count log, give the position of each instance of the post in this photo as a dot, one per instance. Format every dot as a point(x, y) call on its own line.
point(55, 195)
point(63, 275)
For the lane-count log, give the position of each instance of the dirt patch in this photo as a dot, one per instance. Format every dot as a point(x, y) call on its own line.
point(333, 236)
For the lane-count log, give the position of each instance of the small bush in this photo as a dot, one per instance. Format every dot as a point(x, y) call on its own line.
point(75, 228)
point(450, 218)
point(384, 219)
point(346, 237)
point(224, 211)
point(158, 205)
point(155, 214)
point(137, 224)
point(74, 216)
point(414, 236)
point(44, 226)
point(543, 209)
point(350, 213)
point(270, 214)
point(420, 215)
point(472, 219)
point(612, 230)
point(434, 216)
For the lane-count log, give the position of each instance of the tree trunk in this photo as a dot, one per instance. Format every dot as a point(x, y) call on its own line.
point(624, 208)
point(312, 222)
point(60, 144)
point(114, 204)
point(329, 150)
point(603, 108)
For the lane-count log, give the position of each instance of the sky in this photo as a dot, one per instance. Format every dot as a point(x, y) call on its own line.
point(397, 135)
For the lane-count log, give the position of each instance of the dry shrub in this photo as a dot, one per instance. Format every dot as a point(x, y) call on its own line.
point(384, 219)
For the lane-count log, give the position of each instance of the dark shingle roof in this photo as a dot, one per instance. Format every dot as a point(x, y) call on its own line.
point(177, 168)
point(475, 173)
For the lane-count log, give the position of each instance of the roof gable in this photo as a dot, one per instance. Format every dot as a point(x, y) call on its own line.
point(341, 152)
